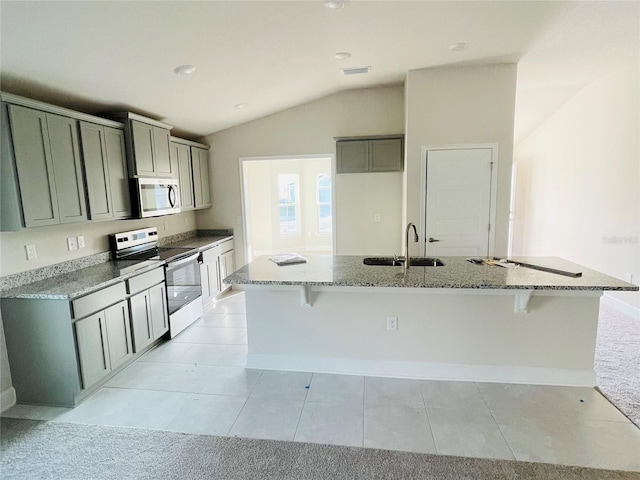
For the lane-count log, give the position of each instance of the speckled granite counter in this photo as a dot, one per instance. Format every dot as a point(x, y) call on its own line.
point(201, 242)
point(349, 271)
point(80, 282)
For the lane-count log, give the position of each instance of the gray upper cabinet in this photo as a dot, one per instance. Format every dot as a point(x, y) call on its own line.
point(118, 174)
point(147, 146)
point(200, 166)
point(105, 172)
point(353, 157)
point(43, 151)
point(142, 139)
point(47, 161)
point(181, 159)
point(361, 155)
point(161, 152)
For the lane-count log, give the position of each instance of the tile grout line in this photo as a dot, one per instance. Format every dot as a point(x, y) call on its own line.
point(304, 403)
point(426, 409)
point(486, 402)
point(364, 396)
point(245, 404)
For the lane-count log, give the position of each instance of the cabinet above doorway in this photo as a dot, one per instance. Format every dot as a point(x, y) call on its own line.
point(370, 154)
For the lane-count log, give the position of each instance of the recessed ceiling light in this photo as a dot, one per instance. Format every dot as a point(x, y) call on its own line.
point(457, 47)
point(341, 55)
point(356, 70)
point(334, 4)
point(240, 106)
point(184, 69)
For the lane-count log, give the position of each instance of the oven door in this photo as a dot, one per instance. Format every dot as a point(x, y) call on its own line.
point(183, 282)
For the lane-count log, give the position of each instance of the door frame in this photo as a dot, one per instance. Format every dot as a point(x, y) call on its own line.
point(494, 188)
point(245, 223)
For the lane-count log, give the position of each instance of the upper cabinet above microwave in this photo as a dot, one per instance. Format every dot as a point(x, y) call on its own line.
point(147, 144)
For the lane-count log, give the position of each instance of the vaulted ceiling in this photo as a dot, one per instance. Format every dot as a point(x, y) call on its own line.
point(272, 55)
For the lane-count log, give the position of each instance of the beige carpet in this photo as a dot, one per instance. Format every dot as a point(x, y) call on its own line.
point(32, 449)
point(617, 361)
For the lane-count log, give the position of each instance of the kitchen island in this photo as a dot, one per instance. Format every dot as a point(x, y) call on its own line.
point(459, 321)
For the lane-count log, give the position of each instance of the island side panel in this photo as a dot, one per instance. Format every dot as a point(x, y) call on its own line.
point(461, 335)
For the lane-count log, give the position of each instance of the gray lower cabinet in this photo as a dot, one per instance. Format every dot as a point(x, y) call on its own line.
point(104, 342)
point(148, 304)
point(60, 351)
point(217, 263)
point(200, 167)
point(105, 169)
point(47, 169)
point(370, 155)
point(181, 159)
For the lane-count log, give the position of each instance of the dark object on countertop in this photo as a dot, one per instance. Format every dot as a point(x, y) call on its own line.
point(475, 260)
point(543, 268)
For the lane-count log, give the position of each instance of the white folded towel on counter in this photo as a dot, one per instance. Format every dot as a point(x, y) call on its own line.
point(287, 258)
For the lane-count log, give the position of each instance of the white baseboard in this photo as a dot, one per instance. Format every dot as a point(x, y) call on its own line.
point(621, 306)
point(425, 371)
point(7, 399)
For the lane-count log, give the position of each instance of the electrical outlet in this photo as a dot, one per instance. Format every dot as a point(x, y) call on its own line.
point(166, 225)
point(239, 220)
point(72, 243)
point(392, 323)
point(629, 277)
point(31, 251)
point(376, 217)
point(81, 243)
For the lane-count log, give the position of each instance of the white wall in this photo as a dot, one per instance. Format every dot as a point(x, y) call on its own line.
point(578, 181)
point(51, 241)
point(460, 105)
point(308, 130)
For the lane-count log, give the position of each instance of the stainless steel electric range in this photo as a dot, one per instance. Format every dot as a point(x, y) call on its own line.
point(182, 272)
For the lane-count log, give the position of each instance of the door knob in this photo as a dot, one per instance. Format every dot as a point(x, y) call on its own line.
point(431, 240)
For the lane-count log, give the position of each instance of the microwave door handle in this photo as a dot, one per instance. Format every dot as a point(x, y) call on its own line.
point(172, 196)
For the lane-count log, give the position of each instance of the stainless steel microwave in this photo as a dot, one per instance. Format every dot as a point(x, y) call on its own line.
point(153, 197)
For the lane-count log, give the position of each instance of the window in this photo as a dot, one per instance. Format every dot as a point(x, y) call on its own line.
point(323, 189)
point(288, 204)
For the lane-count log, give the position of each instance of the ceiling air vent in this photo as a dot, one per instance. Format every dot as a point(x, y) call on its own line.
point(356, 70)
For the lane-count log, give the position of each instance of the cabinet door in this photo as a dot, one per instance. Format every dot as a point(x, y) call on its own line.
point(32, 153)
point(200, 165)
point(352, 156)
point(96, 171)
point(118, 174)
point(183, 162)
point(118, 334)
point(67, 168)
point(159, 312)
point(209, 277)
point(141, 320)
point(91, 336)
point(386, 155)
point(227, 267)
point(142, 137)
point(161, 156)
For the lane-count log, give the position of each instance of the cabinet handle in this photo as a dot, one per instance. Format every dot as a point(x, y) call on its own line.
point(148, 309)
point(126, 336)
point(104, 345)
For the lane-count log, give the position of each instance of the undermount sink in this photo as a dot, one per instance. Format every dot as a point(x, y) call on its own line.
point(415, 261)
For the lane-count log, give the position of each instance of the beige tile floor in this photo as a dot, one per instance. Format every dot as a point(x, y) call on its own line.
point(198, 383)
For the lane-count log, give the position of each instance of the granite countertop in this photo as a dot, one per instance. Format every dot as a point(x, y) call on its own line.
point(201, 242)
point(321, 270)
point(68, 286)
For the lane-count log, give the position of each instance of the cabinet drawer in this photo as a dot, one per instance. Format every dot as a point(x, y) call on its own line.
point(226, 246)
point(99, 300)
point(145, 280)
point(211, 254)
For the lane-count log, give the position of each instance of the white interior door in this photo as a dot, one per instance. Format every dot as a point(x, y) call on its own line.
point(458, 202)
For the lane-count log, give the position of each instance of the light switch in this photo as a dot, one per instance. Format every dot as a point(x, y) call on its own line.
point(72, 243)
point(31, 251)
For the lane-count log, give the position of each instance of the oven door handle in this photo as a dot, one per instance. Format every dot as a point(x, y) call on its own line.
point(174, 264)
